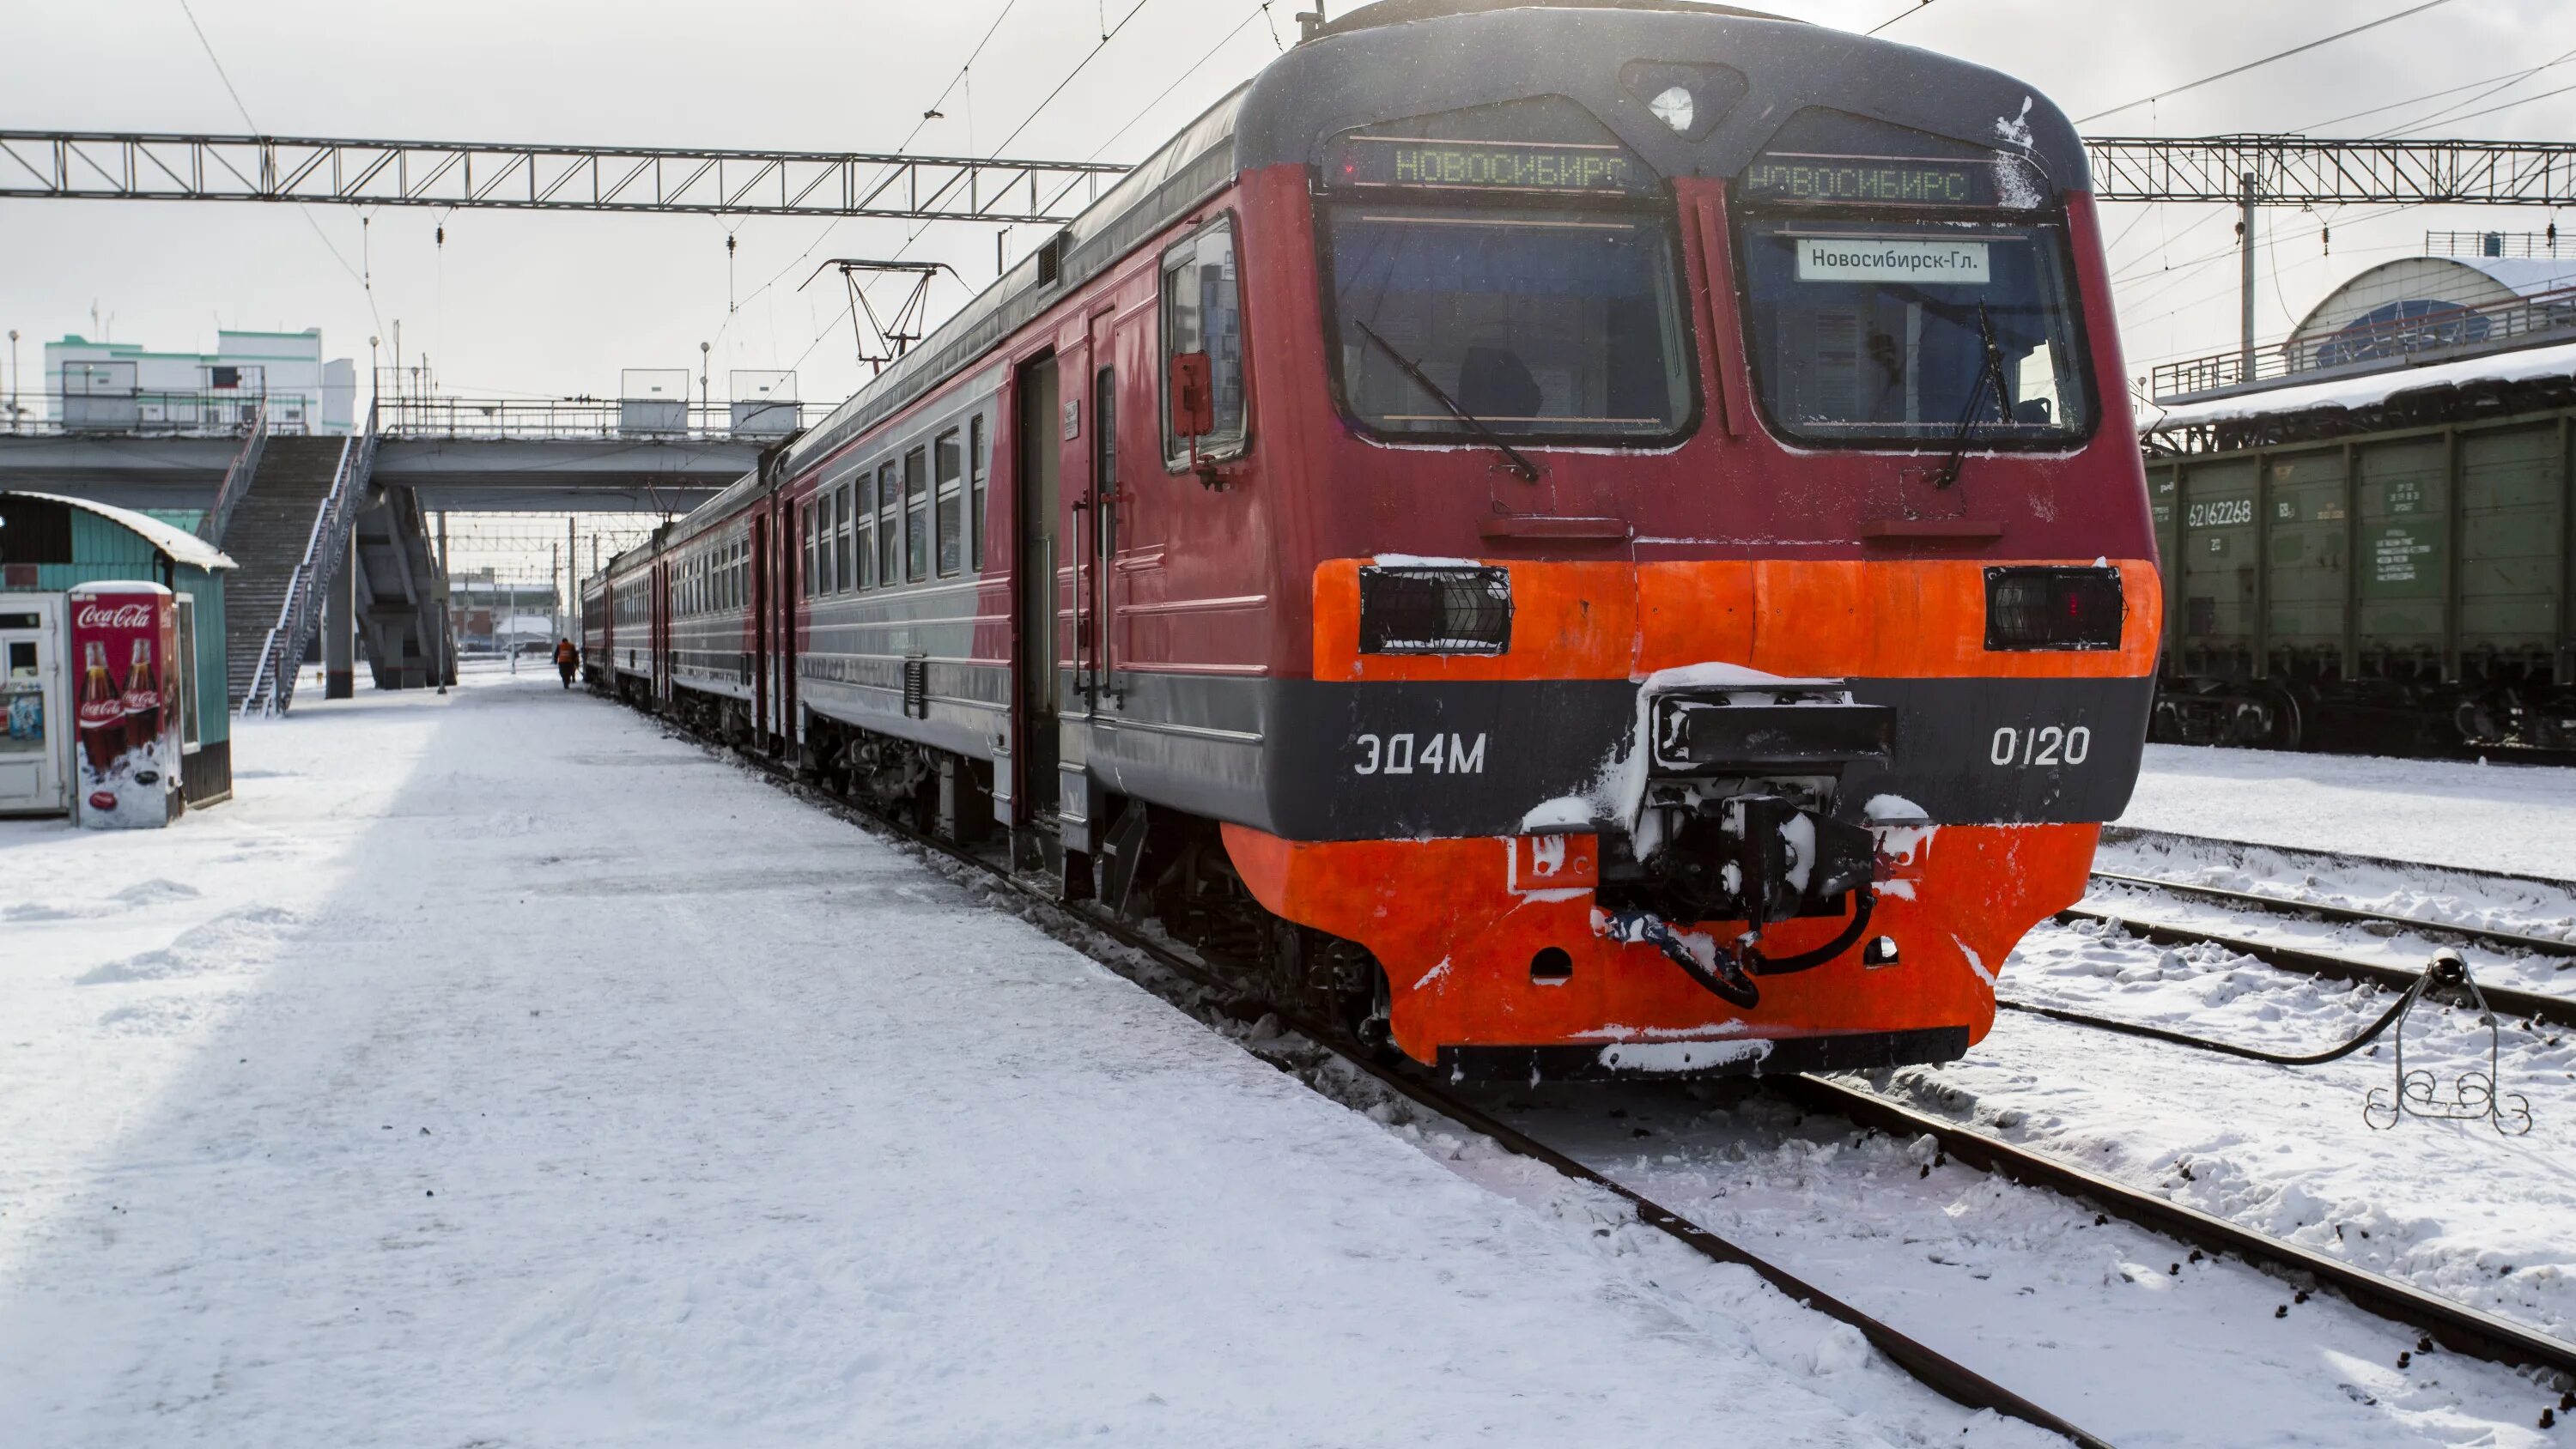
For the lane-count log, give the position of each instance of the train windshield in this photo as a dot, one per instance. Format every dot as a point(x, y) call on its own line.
point(1532, 323)
point(1917, 335)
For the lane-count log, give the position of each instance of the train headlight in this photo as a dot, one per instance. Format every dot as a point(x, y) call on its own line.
point(1674, 107)
point(2053, 608)
point(1435, 609)
point(1689, 98)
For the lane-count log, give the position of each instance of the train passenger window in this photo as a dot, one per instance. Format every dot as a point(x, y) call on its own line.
point(841, 536)
point(805, 581)
point(829, 580)
point(1539, 324)
point(1907, 334)
point(863, 532)
point(889, 526)
point(975, 480)
point(1104, 429)
point(947, 465)
point(916, 515)
point(1203, 312)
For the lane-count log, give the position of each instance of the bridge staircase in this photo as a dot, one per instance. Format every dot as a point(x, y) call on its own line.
point(266, 521)
point(402, 595)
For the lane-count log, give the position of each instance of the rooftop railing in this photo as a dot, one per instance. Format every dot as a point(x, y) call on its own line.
point(221, 413)
point(631, 419)
point(2372, 347)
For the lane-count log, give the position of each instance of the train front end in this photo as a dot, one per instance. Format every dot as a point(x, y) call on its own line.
point(1723, 549)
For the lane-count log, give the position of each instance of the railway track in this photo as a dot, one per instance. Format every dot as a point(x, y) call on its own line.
point(2552, 1008)
point(1936, 1370)
point(2454, 1326)
point(2324, 859)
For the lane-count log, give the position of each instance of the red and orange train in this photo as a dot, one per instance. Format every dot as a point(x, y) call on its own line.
point(1587, 537)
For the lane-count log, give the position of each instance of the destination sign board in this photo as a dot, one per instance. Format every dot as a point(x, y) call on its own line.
point(1413, 161)
point(1894, 183)
point(1882, 259)
point(1890, 181)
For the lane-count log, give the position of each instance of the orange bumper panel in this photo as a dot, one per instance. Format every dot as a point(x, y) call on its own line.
point(1496, 942)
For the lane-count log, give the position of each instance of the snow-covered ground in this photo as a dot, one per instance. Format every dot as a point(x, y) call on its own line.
point(498, 1070)
point(2496, 817)
point(2139, 1340)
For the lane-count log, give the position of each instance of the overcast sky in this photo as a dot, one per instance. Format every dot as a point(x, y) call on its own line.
point(546, 304)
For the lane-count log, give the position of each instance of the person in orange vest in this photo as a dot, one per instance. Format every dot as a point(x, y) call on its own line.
point(567, 659)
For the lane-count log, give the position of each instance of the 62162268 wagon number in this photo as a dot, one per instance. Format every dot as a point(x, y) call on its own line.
point(2040, 745)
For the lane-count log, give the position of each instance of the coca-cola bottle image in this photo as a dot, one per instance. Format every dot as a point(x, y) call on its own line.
point(100, 717)
point(142, 699)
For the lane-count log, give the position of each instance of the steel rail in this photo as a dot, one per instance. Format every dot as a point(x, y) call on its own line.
point(2559, 1011)
point(2126, 834)
point(2455, 1326)
point(2286, 906)
point(1929, 1366)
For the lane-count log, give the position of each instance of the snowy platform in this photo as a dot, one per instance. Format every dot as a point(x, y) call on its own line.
point(2519, 819)
point(498, 1069)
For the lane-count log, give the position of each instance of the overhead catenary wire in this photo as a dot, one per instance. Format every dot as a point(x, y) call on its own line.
point(2451, 111)
point(1919, 7)
point(1110, 35)
point(2263, 61)
point(355, 275)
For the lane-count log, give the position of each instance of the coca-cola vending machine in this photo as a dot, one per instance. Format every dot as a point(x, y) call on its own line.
point(125, 639)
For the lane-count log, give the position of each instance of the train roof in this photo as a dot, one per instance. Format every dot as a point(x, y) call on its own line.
point(1404, 58)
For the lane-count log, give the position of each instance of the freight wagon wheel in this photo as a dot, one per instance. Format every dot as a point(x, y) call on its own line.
point(2288, 721)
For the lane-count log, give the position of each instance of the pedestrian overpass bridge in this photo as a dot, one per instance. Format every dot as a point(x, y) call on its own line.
point(331, 532)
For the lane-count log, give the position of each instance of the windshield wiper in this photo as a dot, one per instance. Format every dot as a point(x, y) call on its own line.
point(1520, 465)
point(1989, 371)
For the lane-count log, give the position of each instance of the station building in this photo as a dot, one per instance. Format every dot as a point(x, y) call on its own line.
point(124, 387)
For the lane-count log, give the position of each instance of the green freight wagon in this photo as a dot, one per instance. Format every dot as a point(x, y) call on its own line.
point(2394, 572)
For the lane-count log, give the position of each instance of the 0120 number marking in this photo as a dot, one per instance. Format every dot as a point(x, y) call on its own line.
point(1438, 755)
point(2043, 745)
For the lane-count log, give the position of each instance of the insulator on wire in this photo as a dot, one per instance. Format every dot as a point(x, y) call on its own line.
point(442, 234)
point(2325, 234)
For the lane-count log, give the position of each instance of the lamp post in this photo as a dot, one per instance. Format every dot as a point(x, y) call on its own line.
point(17, 380)
point(706, 406)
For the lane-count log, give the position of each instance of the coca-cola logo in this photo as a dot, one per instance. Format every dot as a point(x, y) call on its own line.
point(122, 616)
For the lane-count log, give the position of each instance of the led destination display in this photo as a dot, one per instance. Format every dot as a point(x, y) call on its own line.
point(1502, 165)
point(1871, 180)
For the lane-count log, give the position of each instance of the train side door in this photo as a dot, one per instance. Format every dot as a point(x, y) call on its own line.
point(1038, 432)
point(757, 566)
point(787, 541)
point(34, 738)
point(1107, 504)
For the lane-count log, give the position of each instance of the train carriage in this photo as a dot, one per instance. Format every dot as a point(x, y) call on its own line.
point(597, 631)
point(1585, 537)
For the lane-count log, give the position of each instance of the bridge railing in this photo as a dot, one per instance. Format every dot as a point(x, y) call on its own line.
point(237, 478)
point(2443, 326)
point(326, 551)
point(547, 419)
point(205, 414)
